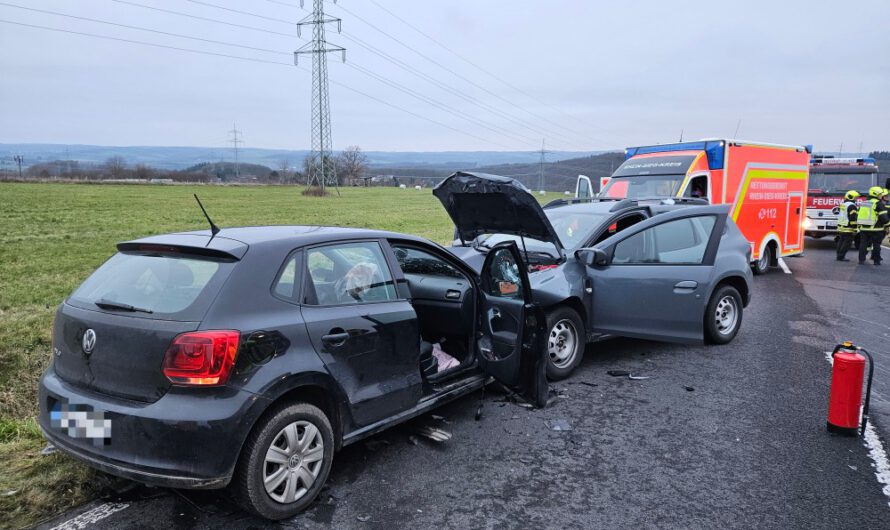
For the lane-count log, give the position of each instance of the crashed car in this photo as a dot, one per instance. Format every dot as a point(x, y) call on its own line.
point(660, 269)
point(246, 358)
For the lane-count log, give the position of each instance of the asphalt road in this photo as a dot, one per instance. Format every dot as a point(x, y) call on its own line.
point(718, 437)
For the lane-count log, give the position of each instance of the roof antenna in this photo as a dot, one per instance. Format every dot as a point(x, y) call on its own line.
point(213, 228)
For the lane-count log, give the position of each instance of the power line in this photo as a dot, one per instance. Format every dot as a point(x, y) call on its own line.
point(155, 45)
point(438, 84)
point(206, 19)
point(471, 63)
point(464, 78)
point(254, 60)
point(404, 65)
point(430, 101)
point(127, 26)
point(362, 70)
point(208, 4)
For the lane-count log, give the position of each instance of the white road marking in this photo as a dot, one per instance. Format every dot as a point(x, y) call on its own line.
point(92, 516)
point(784, 266)
point(879, 455)
point(875, 450)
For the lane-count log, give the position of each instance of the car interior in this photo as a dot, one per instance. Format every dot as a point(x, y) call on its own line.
point(444, 302)
point(622, 223)
point(343, 275)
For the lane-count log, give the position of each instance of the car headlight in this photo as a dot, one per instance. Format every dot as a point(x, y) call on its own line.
point(807, 223)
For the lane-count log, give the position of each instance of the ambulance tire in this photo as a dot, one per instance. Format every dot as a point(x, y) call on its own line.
point(566, 342)
point(723, 316)
point(762, 265)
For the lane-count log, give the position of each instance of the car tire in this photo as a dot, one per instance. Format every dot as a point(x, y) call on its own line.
point(566, 340)
point(299, 432)
point(723, 316)
point(762, 265)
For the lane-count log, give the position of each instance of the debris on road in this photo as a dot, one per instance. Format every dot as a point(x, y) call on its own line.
point(625, 373)
point(440, 418)
point(363, 518)
point(559, 425)
point(689, 388)
point(433, 433)
point(413, 440)
point(48, 450)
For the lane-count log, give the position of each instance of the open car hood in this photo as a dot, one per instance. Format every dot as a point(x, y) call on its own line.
point(479, 203)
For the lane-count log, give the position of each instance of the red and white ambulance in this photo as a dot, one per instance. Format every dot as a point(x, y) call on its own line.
point(830, 179)
point(766, 184)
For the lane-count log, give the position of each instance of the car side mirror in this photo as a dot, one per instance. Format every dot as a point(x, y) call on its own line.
point(593, 257)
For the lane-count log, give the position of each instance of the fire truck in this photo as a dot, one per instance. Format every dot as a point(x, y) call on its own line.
point(830, 179)
point(765, 184)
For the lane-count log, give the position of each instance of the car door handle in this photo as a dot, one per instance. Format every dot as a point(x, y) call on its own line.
point(686, 285)
point(335, 338)
point(495, 313)
point(452, 294)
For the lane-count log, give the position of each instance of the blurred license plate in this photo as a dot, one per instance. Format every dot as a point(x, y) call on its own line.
point(830, 225)
point(81, 421)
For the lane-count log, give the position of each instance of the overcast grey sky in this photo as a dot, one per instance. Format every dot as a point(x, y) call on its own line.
point(585, 75)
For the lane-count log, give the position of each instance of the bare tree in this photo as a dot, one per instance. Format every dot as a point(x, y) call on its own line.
point(143, 172)
point(116, 165)
point(352, 164)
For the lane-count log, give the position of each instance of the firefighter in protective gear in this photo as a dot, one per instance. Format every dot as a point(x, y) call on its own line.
point(872, 219)
point(846, 224)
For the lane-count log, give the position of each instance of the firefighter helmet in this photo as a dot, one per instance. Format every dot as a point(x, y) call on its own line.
point(875, 192)
point(851, 195)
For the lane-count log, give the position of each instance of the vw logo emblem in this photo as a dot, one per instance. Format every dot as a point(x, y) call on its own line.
point(89, 341)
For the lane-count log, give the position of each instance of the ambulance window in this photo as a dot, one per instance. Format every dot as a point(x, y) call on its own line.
point(697, 187)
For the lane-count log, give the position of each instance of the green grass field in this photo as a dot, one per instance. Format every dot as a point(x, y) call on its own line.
point(52, 236)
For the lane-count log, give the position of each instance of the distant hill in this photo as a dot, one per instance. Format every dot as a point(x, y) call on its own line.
point(175, 158)
point(560, 175)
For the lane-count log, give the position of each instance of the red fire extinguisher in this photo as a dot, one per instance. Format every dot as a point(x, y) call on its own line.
point(846, 389)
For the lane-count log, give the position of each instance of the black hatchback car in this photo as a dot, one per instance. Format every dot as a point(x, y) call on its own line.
point(248, 357)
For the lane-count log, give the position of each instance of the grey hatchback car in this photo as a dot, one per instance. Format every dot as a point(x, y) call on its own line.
point(658, 269)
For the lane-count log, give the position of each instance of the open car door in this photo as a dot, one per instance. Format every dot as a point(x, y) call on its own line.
point(511, 330)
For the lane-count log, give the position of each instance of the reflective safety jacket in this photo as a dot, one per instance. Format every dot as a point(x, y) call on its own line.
point(846, 221)
point(872, 215)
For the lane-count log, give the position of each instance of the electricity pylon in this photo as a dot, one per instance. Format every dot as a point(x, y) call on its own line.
point(322, 170)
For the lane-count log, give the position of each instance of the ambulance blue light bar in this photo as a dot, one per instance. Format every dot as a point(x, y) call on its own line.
point(830, 160)
point(714, 150)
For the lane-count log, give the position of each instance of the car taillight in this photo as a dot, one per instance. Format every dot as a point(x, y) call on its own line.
point(201, 358)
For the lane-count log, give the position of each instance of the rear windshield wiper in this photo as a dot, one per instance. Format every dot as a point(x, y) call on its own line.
point(107, 304)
